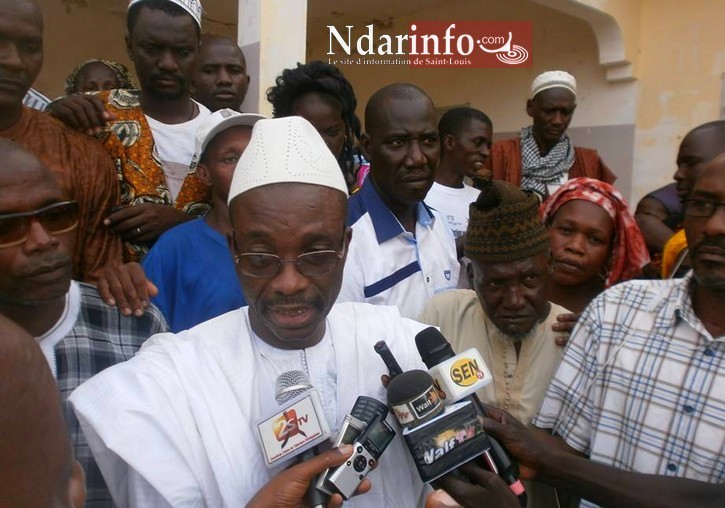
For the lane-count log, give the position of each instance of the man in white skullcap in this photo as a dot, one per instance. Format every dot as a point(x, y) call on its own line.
point(542, 157)
point(149, 133)
point(176, 425)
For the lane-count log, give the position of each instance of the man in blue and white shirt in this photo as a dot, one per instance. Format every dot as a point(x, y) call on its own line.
point(402, 252)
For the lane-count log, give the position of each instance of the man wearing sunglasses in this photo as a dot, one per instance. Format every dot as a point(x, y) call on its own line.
point(176, 425)
point(82, 167)
point(77, 332)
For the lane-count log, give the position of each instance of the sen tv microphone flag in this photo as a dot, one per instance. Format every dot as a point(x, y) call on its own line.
point(298, 425)
point(460, 375)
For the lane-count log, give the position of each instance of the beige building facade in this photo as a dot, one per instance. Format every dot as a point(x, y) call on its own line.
point(648, 70)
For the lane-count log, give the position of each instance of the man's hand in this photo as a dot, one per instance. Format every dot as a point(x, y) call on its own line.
point(564, 323)
point(82, 112)
point(126, 286)
point(534, 449)
point(144, 223)
point(483, 488)
point(288, 489)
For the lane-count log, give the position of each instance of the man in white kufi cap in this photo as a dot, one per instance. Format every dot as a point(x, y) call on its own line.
point(542, 157)
point(151, 139)
point(176, 425)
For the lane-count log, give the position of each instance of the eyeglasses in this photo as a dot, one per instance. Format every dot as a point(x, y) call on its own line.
point(57, 218)
point(267, 266)
point(701, 207)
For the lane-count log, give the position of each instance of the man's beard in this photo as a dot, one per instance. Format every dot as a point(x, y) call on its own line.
point(519, 336)
point(710, 280)
point(167, 95)
point(706, 276)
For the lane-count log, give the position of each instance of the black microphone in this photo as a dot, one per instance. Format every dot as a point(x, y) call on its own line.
point(440, 438)
point(288, 386)
point(391, 363)
point(434, 349)
point(413, 398)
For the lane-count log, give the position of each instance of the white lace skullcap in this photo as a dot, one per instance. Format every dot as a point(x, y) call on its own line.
point(286, 150)
point(553, 79)
point(193, 7)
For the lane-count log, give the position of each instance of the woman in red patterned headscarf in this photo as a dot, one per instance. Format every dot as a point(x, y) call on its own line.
point(595, 241)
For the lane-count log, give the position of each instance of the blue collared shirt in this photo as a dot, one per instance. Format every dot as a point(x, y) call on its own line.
point(387, 265)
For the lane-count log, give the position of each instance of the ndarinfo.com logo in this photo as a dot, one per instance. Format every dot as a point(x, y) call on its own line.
point(435, 44)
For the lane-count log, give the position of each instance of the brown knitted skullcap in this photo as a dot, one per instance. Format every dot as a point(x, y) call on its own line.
point(504, 225)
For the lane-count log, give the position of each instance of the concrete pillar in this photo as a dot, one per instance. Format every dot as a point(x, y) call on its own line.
point(273, 36)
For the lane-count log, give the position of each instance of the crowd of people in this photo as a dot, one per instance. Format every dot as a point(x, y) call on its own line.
point(166, 256)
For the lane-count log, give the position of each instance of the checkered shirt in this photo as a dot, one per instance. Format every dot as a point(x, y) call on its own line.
point(642, 385)
point(36, 100)
point(101, 337)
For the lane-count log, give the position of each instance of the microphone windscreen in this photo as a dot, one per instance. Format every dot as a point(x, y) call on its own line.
point(414, 398)
point(433, 347)
point(408, 385)
point(291, 384)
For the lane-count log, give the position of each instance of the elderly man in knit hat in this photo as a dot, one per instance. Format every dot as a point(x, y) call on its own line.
point(542, 157)
point(507, 317)
point(176, 425)
point(149, 133)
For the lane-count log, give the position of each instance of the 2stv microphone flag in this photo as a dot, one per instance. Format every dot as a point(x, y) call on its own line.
point(299, 429)
point(298, 425)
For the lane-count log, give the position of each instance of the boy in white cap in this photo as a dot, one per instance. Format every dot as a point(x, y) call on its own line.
point(190, 264)
point(542, 157)
point(176, 425)
point(149, 133)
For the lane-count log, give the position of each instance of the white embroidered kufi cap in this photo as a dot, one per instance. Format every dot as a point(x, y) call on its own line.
point(193, 7)
point(220, 121)
point(553, 79)
point(286, 150)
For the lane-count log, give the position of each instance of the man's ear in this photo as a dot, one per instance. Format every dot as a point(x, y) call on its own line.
point(348, 238)
point(449, 142)
point(232, 244)
point(346, 242)
point(530, 107)
point(470, 273)
point(365, 145)
point(203, 173)
point(77, 486)
point(128, 47)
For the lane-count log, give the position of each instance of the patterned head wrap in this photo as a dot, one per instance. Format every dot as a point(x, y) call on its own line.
point(124, 78)
point(504, 225)
point(629, 252)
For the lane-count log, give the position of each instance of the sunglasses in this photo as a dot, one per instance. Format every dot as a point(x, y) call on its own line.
point(56, 219)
